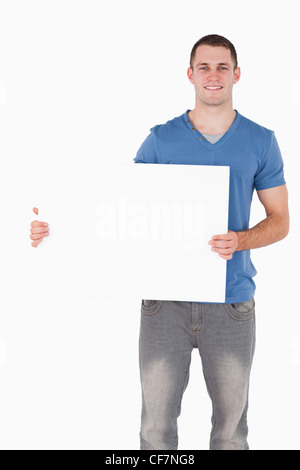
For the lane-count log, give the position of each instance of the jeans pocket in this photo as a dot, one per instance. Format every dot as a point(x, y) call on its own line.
point(151, 307)
point(241, 311)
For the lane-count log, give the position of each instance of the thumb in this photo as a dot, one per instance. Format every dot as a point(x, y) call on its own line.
point(36, 211)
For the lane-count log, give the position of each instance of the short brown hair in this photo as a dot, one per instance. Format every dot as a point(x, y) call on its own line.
point(216, 41)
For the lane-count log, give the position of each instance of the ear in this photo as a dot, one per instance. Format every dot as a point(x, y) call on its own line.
point(190, 75)
point(237, 75)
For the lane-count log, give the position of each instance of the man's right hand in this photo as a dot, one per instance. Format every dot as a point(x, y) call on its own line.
point(38, 231)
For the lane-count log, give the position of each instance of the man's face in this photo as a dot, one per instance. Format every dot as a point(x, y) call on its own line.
point(213, 75)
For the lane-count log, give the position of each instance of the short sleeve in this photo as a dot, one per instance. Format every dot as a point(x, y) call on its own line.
point(147, 152)
point(271, 171)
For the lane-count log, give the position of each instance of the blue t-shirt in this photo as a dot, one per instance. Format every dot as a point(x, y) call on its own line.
point(253, 155)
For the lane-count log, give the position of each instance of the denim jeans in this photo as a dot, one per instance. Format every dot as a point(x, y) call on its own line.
point(224, 335)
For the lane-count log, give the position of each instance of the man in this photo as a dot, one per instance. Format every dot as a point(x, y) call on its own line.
point(213, 133)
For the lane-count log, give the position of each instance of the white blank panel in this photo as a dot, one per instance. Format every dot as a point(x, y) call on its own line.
point(122, 231)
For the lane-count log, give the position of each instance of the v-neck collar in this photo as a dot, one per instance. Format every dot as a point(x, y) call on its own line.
point(200, 137)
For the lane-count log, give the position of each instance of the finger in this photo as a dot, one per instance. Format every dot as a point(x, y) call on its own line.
point(37, 223)
point(36, 211)
point(224, 236)
point(222, 251)
point(36, 242)
point(39, 230)
point(221, 243)
point(38, 236)
point(227, 257)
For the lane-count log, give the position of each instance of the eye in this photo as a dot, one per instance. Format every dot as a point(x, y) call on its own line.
point(202, 68)
point(223, 68)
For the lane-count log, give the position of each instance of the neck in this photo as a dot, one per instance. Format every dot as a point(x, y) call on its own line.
point(212, 119)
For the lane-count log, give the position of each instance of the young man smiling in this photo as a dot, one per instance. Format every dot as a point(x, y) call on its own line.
point(213, 133)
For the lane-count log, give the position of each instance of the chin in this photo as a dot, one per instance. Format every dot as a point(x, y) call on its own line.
point(213, 102)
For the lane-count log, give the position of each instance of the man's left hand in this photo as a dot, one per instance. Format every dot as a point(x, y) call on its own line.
point(225, 245)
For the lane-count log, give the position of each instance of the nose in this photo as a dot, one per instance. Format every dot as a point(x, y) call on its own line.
point(213, 75)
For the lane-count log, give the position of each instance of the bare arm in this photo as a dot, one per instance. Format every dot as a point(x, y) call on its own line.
point(274, 227)
point(270, 230)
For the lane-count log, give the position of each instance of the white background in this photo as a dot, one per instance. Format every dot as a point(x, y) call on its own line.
point(85, 81)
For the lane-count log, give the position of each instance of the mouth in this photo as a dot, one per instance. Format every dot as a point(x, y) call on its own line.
point(213, 88)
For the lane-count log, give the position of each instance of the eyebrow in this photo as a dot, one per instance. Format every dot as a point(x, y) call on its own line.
point(220, 63)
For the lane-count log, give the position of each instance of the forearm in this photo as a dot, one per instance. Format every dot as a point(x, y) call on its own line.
point(273, 228)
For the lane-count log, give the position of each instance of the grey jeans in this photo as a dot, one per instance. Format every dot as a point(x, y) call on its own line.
point(224, 335)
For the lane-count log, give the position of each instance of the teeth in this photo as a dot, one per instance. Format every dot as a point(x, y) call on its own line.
point(213, 87)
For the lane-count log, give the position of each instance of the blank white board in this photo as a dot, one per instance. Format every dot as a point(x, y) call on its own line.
point(127, 231)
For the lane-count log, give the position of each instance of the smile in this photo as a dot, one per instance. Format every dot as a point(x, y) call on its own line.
point(213, 88)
